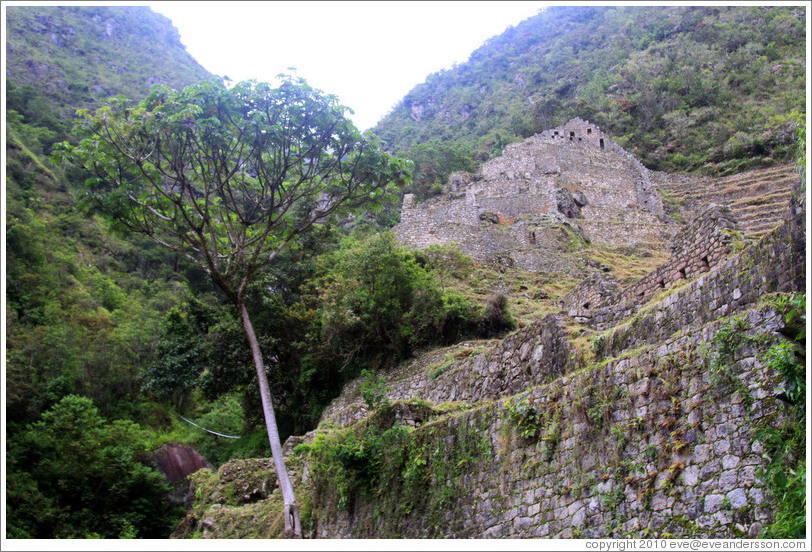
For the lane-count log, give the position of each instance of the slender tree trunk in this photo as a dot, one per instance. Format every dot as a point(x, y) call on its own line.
point(293, 528)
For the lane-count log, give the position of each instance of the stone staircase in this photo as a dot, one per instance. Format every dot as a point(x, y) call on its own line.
point(758, 198)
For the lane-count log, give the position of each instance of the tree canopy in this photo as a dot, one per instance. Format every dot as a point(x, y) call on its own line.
point(230, 178)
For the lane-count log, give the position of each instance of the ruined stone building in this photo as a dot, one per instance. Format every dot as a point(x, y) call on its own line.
point(569, 187)
point(569, 183)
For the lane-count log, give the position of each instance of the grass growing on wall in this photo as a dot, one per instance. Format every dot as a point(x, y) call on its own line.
point(395, 466)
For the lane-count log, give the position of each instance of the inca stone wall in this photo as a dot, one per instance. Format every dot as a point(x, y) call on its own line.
point(655, 440)
point(573, 175)
point(656, 436)
point(697, 248)
point(646, 445)
point(536, 353)
point(774, 264)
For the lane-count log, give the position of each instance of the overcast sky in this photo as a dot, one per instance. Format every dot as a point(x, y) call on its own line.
point(369, 54)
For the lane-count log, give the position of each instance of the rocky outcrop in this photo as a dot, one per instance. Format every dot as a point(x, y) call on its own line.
point(177, 462)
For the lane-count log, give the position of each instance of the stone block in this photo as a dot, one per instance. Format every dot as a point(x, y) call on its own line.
point(737, 498)
point(722, 446)
point(722, 518)
point(756, 495)
point(727, 480)
point(747, 476)
point(710, 469)
point(729, 461)
point(690, 475)
point(659, 501)
point(701, 453)
point(713, 502)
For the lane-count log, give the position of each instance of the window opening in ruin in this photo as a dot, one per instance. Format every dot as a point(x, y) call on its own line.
point(705, 263)
point(572, 135)
point(555, 133)
point(601, 143)
point(661, 283)
point(682, 273)
point(586, 305)
point(589, 131)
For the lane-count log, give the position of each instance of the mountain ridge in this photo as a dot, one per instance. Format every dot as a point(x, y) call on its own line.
point(701, 89)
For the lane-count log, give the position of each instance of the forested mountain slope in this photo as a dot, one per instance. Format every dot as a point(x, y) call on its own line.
point(77, 56)
point(108, 335)
point(711, 89)
point(83, 305)
point(64, 267)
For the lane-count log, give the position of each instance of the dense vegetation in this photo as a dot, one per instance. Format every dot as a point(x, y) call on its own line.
point(108, 335)
point(77, 56)
point(711, 89)
point(83, 304)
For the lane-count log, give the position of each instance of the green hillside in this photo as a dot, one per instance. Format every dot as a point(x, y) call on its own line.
point(83, 305)
point(109, 335)
point(77, 56)
point(710, 89)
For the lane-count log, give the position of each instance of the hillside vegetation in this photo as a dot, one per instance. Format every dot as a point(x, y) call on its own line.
point(709, 89)
point(109, 336)
point(77, 56)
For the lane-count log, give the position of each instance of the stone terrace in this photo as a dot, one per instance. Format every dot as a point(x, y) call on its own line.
point(757, 198)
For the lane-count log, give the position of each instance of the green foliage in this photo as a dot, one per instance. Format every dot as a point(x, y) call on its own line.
point(401, 468)
point(496, 318)
point(224, 415)
point(525, 415)
point(709, 89)
point(721, 357)
point(181, 354)
point(353, 461)
point(378, 304)
point(434, 161)
point(373, 390)
point(93, 53)
point(447, 261)
point(74, 475)
point(801, 155)
point(785, 447)
point(441, 368)
point(84, 305)
point(167, 169)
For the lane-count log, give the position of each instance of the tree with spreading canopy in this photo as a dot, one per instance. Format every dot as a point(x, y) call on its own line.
point(230, 177)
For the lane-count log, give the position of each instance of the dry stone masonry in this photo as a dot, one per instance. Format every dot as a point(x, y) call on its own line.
point(651, 440)
point(645, 445)
point(539, 352)
point(649, 431)
point(696, 249)
point(565, 186)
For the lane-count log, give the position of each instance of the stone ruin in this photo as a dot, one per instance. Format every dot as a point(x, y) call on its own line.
point(696, 249)
point(568, 185)
point(643, 440)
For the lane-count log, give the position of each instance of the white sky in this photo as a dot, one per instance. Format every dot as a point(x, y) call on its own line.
point(369, 54)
